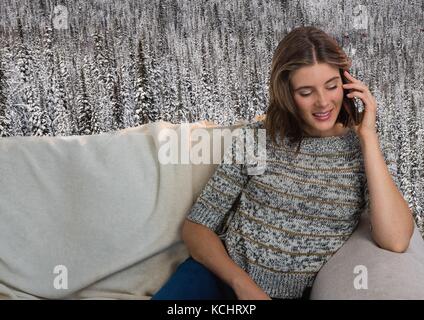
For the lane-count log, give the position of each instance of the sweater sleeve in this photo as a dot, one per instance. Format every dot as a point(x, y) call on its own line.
point(213, 206)
point(389, 155)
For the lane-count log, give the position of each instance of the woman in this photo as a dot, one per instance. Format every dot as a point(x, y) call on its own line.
point(322, 170)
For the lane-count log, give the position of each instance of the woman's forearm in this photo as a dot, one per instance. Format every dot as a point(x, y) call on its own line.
point(207, 248)
point(391, 219)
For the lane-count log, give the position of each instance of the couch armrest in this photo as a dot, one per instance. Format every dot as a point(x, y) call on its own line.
point(390, 275)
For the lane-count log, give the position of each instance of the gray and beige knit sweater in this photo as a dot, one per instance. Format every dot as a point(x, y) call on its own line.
point(281, 226)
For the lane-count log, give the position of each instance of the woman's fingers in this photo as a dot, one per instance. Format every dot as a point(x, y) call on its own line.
point(354, 87)
point(366, 99)
point(356, 94)
point(350, 77)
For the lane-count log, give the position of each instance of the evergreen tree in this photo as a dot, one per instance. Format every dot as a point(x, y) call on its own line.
point(5, 121)
point(50, 77)
point(165, 109)
point(112, 86)
point(128, 88)
point(101, 70)
point(70, 77)
point(38, 121)
point(206, 101)
point(145, 111)
point(269, 40)
point(413, 127)
point(118, 109)
point(404, 168)
point(61, 115)
point(87, 117)
point(66, 95)
point(162, 30)
point(189, 92)
point(181, 112)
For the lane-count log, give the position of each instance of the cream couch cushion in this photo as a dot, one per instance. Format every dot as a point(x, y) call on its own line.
point(103, 206)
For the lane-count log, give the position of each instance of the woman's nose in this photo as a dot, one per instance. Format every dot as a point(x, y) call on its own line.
point(322, 99)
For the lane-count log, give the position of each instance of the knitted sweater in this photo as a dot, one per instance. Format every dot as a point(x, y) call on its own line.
point(282, 225)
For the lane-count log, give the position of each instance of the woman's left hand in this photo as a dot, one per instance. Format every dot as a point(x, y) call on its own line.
point(361, 91)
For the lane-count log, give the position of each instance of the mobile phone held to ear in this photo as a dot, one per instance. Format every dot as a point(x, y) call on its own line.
point(354, 106)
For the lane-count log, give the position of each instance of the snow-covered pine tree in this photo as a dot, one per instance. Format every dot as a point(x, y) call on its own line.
point(225, 75)
point(61, 119)
point(216, 18)
point(411, 118)
point(404, 167)
point(247, 111)
point(127, 74)
point(162, 32)
point(101, 62)
point(102, 71)
point(22, 83)
point(70, 77)
point(165, 110)
point(217, 98)
point(92, 88)
point(235, 93)
point(14, 94)
point(117, 105)
point(5, 121)
point(145, 110)
point(50, 77)
point(248, 13)
point(85, 111)
point(40, 94)
point(66, 94)
point(300, 17)
point(419, 218)
point(112, 85)
point(269, 40)
point(156, 84)
point(38, 121)
point(191, 86)
point(223, 93)
point(252, 83)
point(206, 100)
point(257, 94)
point(189, 92)
point(181, 112)
point(20, 29)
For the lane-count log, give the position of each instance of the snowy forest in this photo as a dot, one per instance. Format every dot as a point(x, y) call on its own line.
point(74, 67)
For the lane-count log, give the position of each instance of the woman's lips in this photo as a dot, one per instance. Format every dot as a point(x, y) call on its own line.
point(322, 116)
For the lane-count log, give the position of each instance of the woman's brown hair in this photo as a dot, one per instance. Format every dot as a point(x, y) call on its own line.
point(300, 47)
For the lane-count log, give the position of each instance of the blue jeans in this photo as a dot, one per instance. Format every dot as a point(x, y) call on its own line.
point(193, 281)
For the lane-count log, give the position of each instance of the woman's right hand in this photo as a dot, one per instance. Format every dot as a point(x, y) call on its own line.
point(247, 289)
point(208, 249)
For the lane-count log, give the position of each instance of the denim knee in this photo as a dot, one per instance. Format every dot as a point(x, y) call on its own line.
point(193, 281)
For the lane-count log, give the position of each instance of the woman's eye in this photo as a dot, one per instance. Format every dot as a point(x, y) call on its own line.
point(307, 94)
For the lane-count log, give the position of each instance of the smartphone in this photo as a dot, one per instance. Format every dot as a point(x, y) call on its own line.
point(354, 106)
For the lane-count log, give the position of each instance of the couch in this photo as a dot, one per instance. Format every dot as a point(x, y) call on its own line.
point(99, 217)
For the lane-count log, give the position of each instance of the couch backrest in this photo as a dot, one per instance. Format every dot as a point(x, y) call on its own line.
point(93, 204)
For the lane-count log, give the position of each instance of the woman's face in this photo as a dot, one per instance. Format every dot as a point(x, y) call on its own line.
point(318, 89)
